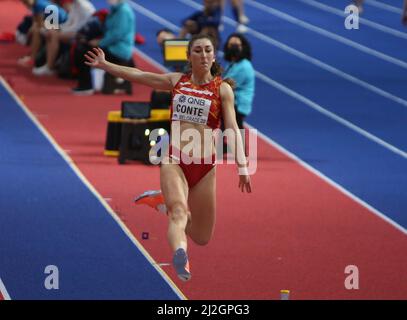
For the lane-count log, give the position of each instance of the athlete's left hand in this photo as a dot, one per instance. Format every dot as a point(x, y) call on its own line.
point(244, 183)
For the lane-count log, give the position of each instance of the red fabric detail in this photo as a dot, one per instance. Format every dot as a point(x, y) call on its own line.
point(193, 172)
point(101, 14)
point(7, 37)
point(139, 39)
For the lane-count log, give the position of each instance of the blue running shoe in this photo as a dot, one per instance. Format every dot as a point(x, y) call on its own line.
point(181, 264)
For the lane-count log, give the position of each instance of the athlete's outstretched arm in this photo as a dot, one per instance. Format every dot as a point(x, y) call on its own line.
point(229, 117)
point(96, 59)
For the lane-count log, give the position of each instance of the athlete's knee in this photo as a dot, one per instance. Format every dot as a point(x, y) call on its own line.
point(177, 210)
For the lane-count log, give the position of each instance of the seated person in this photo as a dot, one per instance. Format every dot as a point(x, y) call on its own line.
point(40, 14)
point(117, 42)
point(164, 34)
point(79, 11)
point(206, 21)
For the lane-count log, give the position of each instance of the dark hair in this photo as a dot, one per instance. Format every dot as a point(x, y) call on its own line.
point(246, 47)
point(216, 69)
point(163, 30)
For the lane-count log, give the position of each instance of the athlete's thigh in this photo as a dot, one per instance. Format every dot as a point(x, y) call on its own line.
point(173, 185)
point(202, 204)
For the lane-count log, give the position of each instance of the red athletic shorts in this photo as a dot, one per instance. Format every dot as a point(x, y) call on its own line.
point(194, 168)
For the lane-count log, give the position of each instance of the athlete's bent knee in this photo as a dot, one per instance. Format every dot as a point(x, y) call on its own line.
point(202, 241)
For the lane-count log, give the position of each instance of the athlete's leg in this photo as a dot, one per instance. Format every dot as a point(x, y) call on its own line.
point(175, 190)
point(202, 203)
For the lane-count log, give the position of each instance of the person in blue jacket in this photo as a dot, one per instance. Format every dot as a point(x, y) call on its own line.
point(117, 43)
point(238, 54)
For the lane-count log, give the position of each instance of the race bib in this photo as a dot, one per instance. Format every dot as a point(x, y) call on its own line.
point(191, 109)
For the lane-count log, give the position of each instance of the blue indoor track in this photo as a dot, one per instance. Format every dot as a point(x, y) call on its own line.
point(68, 228)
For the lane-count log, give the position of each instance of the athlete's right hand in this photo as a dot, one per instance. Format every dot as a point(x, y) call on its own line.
point(245, 184)
point(96, 58)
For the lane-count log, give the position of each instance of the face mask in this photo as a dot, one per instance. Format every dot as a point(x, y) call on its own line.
point(233, 52)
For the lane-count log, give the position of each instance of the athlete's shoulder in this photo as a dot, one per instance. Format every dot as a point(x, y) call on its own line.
point(226, 90)
point(226, 86)
point(177, 77)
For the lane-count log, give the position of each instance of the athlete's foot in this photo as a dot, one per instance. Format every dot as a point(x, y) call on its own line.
point(181, 264)
point(154, 199)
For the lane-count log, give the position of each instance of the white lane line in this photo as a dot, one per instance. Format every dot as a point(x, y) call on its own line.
point(153, 16)
point(365, 21)
point(332, 115)
point(384, 6)
point(331, 182)
point(3, 291)
point(326, 33)
point(311, 60)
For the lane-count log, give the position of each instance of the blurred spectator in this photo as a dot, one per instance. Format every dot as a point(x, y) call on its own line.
point(239, 15)
point(238, 54)
point(164, 34)
point(205, 21)
point(359, 5)
point(79, 11)
point(117, 42)
point(93, 28)
point(39, 12)
point(23, 28)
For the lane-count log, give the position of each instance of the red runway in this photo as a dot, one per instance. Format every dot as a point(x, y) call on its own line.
point(293, 232)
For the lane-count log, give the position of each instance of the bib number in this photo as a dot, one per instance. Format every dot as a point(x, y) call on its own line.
point(191, 109)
